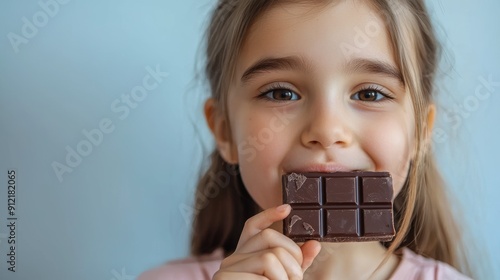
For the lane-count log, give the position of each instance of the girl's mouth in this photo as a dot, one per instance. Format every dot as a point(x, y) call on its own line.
point(322, 167)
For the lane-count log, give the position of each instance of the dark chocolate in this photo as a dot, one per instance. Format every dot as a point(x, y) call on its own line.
point(339, 206)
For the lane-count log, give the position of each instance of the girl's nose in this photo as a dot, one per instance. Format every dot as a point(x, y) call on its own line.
point(327, 127)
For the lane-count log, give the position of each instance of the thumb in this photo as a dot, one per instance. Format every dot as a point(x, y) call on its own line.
point(310, 250)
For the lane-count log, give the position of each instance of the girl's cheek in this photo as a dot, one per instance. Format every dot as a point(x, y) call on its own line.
point(260, 152)
point(389, 146)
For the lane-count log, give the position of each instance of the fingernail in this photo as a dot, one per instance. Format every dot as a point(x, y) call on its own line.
point(282, 208)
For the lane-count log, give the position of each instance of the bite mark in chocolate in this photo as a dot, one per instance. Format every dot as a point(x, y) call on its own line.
point(298, 179)
point(308, 228)
point(295, 219)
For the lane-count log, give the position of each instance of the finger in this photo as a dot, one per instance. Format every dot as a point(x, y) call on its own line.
point(269, 238)
point(223, 275)
point(262, 221)
point(266, 264)
point(310, 250)
point(292, 267)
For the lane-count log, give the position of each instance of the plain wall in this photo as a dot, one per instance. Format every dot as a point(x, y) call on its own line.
point(125, 207)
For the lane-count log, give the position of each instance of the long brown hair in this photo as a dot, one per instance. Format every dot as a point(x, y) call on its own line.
point(423, 215)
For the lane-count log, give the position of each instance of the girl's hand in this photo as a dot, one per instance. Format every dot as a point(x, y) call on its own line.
point(263, 253)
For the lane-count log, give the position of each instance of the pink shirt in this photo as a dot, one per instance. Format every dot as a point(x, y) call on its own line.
point(411, 267)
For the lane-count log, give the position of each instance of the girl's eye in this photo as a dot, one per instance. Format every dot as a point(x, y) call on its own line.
point(369, 95)
point(281, 94)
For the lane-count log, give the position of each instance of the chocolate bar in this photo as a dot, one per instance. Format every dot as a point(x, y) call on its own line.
point(339, 206)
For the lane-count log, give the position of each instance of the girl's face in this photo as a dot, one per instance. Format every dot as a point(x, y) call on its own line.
point(317, 90)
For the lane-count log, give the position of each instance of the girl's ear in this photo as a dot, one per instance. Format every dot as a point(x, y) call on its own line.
point(429, 124)
point(220, 130)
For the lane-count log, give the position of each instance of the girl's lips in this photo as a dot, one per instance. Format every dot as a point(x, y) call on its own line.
point(333, 167)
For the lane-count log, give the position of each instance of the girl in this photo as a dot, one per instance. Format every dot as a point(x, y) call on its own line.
point(319, 86)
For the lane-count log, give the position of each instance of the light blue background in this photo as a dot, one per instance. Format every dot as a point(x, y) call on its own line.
point(118, 212)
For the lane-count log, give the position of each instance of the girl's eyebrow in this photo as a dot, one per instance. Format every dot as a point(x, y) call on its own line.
point(274, 64)
point(356, 65)
point(373, 66)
